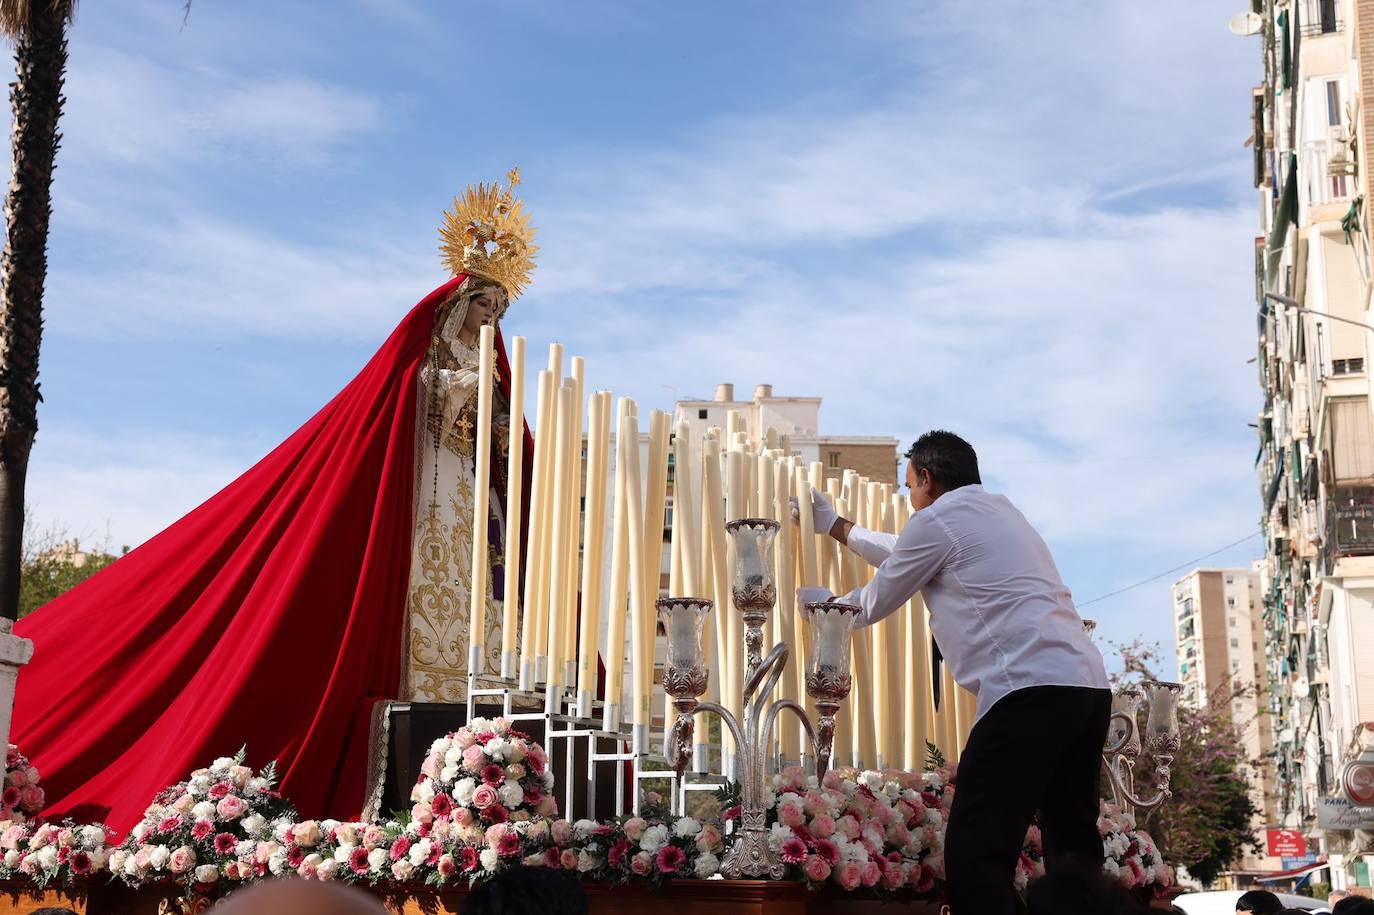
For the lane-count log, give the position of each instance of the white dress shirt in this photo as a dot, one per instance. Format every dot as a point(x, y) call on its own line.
point(1002, 616)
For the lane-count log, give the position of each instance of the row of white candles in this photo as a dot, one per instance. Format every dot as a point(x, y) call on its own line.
point(569, 583)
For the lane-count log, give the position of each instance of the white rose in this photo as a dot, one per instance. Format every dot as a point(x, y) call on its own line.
point(327, 870)
point(453, 756)
point(402, 869)
point(462, 792)
point(686, 827)
point(343, 853)
point(586, 861)
point(376, 858)
point(157, 857)
point(511, 793)
point(223, 764)
point(547, 779)
point(12, 858)
point(140, 831)
point(254, 823)
point(92, 836)
point(131, 866)
point(207, 873)
point(707, 865)
point(583, 829)
point(448, 774)
point(205, 810)
point(654, 838)
point(308, 834)
point(419, 852)
point(489, 859)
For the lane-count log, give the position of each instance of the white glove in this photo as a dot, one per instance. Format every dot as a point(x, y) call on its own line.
point(823, 514)
point(813, 596)
point(458, 386)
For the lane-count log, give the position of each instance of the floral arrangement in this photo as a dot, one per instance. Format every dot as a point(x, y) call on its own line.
point(22, 796)
point(483, 803)
point(225, 825)
point(50, 854)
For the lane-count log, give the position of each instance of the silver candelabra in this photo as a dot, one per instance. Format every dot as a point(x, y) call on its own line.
point(1124, 741)
point(754, 594)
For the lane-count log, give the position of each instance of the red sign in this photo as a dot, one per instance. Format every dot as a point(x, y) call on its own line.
point(1357, 782)
point(1285, 843)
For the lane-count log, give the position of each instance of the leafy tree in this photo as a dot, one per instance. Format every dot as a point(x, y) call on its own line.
point(1209, 822)
point(53, 562)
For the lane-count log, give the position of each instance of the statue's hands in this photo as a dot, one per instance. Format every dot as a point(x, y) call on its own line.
point(458, 386)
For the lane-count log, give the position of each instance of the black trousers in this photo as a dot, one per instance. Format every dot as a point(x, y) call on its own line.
point(1037, 749)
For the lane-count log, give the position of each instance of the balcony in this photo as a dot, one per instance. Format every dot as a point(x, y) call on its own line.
point(1319, 17)
point(1350, 522)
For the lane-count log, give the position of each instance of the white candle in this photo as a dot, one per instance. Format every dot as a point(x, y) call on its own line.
point(713, 522)
point(655, 501)
point(787, 607)
point(571, 587)
point(736, 503)
point(598, 450)
point(515, 478)
point(684, 516)
point(558, 612)
point(634, 513)
point(535, 570)
point(481, 503)
point(546, 509)
point(620, 574)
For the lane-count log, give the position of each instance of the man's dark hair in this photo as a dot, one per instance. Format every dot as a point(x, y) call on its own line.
point(1354, 905)
point(528, 891)
point(948, 459)
point(53, 910)
point(1260, 902)
point(1083, 891)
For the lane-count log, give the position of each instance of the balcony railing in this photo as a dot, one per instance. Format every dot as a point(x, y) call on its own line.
point(1350, 522)
point(1320, 17)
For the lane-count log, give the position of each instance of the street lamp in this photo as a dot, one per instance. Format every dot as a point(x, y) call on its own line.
point(1301, 309)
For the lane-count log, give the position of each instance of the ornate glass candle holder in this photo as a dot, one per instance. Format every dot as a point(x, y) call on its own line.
point(1124, 741)
point(686, 675)
point(753, 590)
point(828, 679)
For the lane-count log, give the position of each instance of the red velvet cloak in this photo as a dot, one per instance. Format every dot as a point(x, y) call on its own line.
point(271, 616)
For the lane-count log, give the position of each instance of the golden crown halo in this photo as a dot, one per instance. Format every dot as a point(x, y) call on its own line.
point(488, 234)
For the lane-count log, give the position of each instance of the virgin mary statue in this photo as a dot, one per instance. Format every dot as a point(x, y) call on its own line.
point(329, 579)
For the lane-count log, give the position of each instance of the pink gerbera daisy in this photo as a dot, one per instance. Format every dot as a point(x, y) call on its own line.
point(493, 774)
point(357, 861)
point(670, 859)
point(794, 851)
point(225, 843)
point(508, 845)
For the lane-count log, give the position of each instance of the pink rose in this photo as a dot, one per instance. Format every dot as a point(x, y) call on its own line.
point(32, 797)
point(709, 840)
point(547, 806)
point(12, 837)
point(893, 876)
point(464, 739)
point(823, 826)
point(182, 860)
point(462, 816)
point(431, 766)
point(642, 863)
point(11, 797)
point(848, 827)
point(17, 778)
point(562, 832)
point(446, 866)
point(569, 859)
point(872, 873)
point(230, 807)
point(828, 851)
point(474, 758)
point(634, 828)
point(791, 815)
point(484, 797)
point(848, 875)
point(816, 869)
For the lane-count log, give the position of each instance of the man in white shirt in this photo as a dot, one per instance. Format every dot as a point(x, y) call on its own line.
point(1007, 627)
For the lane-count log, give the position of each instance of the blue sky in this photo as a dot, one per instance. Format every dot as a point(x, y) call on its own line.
point(1029, 222)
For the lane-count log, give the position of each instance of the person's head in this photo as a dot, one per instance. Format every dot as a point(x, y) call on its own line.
point(1336, 896)
point(936, 463)
point(475, 303)
point(528, 891)
point(300, 897)
point(1082, 891)
point(53, 910)
point(1259, 902)
point(1353, 905)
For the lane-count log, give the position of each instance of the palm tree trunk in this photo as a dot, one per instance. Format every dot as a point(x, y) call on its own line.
point(36, 94)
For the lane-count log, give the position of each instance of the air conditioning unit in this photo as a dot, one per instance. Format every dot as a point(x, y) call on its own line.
point(1339, 161)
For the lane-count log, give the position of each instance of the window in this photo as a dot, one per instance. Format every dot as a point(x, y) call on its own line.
point(1231, 622)
point(834, 459)
point(701, 414)
point(1347, 366)
point(1230, 579)
point(1333, 102)
point(1235, 666)
point(1235, 643)
point(1231, 602)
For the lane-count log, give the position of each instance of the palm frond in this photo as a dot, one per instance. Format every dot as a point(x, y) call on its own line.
point(14, 14)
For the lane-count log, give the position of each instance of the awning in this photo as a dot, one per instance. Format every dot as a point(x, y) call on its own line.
point(1284, 215)
point(1275, 876)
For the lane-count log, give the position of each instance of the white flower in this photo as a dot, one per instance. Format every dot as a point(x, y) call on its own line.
point(326, 870)
point(462, 792)
point(140, 831)
point(92, 836)
point(497, 747)
point(547, 779)
point(12, 858)
point(448, 773)
point(933, 818)
point(402, 869)
point(706, 866)
point(511, 793)
point(376, 858)
point(420, 851)
point(425, 790)
point(686, 827)
point(582, 829)
point(791, 800)
point(478, 725)
point(207, 873)
point(221, 765)
point(257, 785)
point(853, 851)
point(489, 859)
point(874, 780)
point(343, 853)
point(586, 861)
point(245, 848)
point(253, 823)
point(205, 810)
point(157, 857)
point(131, 866)
point(453, 756)
point(654, 838)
